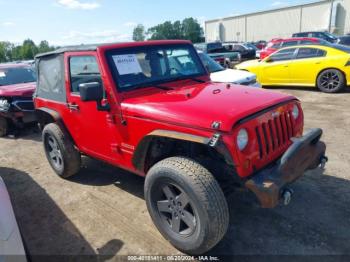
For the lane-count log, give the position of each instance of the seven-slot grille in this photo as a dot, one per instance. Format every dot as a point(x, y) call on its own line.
point(274, 134)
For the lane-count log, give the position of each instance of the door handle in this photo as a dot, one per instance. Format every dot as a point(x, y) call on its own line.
point(318, 63)
point(286, 66)
point(73, 107)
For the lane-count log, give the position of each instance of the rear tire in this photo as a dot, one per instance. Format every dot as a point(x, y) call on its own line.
point(60, 151)
point(331, 81)
point(186, 204)
point(3, 126)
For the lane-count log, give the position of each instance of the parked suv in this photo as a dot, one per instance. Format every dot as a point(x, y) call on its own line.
point(150, 108)
point(17, 85)
point(220, 54)
point(321, 35)
point(247, 52)
point(276, 44)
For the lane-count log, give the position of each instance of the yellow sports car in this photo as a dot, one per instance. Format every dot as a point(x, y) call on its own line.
point(324, 66)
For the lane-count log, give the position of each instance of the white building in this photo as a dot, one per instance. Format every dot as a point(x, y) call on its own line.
point(326, 15)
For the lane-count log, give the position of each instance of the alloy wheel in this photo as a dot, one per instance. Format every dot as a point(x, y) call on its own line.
point(330, 80)
point(175, 209)
point(54, 152)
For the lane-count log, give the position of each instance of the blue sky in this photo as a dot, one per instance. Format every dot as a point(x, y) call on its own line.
point(63, 22)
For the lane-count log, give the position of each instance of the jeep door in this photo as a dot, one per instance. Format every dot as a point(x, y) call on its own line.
point(93, 131)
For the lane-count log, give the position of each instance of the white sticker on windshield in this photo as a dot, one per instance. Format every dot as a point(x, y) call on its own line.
point(2, 74)
point(127, 64)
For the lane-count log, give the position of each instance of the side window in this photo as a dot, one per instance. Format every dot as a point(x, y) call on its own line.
point(345, 41)
point(276, 46)
point(319, 35)
point(50, 84)
point(310, 53)
point(239, 48)
point(289, 43)
point(301, 35)
point(286, 54)
point(83, 69)
point(306, 42)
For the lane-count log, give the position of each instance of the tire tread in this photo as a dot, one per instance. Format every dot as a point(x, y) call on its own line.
point(72, 157)
point(206, 186)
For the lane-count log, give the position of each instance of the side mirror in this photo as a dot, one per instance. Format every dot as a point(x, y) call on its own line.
point(91, 92)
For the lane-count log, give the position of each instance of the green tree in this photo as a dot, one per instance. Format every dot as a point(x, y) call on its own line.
point(188, 29)
point(192, 30)
point(10, 52)
point(139, 33)
point(6, 51)
point(17, 53)
point(44, 47)
point(28, 50)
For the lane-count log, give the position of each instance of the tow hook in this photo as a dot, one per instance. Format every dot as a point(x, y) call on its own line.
point(287, 195)
point(323, 162)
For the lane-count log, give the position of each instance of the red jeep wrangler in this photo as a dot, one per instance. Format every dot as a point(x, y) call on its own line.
point(150, 108)
point(17, 85)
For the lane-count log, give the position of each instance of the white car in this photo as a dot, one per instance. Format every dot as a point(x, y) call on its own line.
point(224, 75)
point(258, 52)
point(11, 245)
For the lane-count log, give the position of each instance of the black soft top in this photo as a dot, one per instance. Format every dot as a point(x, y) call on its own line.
point(75, 48)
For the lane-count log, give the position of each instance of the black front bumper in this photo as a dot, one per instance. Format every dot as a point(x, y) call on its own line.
point(20, 111)
point(306, 153)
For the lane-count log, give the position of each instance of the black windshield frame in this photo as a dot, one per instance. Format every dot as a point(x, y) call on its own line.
point(120, 51)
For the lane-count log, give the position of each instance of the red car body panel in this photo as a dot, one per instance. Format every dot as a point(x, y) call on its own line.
point(189, 105)
point(269, 50)
point(25, 90)
point(190, 108)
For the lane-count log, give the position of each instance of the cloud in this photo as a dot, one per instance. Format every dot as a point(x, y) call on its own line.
point(105, 36)
point(7, 24)
point(278, 3)
point(130, 24)
point(78, 4)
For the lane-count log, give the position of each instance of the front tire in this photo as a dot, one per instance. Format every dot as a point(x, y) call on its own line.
point(186, 204)
point(331, 81)
point(60, 151)
point(3, 126)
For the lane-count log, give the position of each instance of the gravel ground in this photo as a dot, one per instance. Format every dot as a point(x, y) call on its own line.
point(102, 210)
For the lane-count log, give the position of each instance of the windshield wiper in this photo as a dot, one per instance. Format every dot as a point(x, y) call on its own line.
point(184, 77)
point(167, 88)
point(149, 85)
point(196, 79)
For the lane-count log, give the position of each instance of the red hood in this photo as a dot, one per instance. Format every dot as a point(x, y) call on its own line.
point(26, 89)
point(201, 105)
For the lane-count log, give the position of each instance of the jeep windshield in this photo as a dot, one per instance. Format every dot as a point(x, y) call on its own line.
point(16, 75)
point(210, 63)
point(144, 66)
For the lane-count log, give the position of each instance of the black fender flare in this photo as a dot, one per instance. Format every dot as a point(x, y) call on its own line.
point(139, 157)
point(42, 112)
point(54, 114)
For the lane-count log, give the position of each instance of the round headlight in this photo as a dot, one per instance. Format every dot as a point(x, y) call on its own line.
point(242, 139)
point(296, 112)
